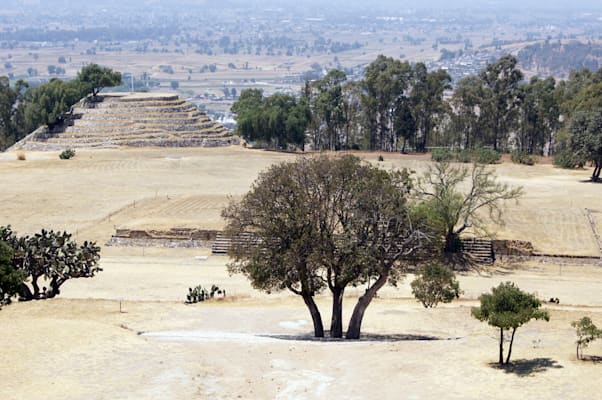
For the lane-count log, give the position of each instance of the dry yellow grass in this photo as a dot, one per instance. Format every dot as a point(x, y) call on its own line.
point(81, 346)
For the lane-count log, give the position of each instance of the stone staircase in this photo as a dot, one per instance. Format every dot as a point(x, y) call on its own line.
point(222, 244)
point(480, 250)
point(132, 119)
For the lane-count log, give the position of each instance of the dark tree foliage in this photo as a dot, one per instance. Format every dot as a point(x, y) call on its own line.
point(11, 279)
point(585, 129)
point(50, 258)
point(278, 121)
point(93, 78)
point(324, 224)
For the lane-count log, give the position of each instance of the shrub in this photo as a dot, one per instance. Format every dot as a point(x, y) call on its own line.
point(465, 156)
point(196, 294)
point(486, 156)
point(199, 293)
point(21, 156)
point(67, 154)
point(521, 157)
point(440, 155)
point(567, 159)
point(380, 158)
point(479, 155)
point(435, 283)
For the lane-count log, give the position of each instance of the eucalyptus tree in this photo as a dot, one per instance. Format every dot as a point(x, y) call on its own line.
point(328, 105)
point(539, 116)
point(385, 84)
point(427, 101)
point(585, 129)
point(502, 99)
point(467, 112)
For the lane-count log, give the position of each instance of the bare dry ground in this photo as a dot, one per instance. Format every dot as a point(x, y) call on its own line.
point(253, 345)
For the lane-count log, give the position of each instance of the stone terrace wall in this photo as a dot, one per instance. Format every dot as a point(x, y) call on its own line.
point(132, 119)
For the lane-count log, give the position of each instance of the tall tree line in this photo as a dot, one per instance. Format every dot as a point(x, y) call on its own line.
point(399, 106)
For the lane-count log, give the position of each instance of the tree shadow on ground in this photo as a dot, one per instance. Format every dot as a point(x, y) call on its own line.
point(590, 181)
point(528, 367)
point(365, 337)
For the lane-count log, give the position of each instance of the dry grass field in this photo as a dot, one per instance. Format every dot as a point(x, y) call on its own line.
point(126, 334)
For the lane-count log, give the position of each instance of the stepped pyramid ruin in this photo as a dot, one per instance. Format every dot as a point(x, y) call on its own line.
point(131, 119)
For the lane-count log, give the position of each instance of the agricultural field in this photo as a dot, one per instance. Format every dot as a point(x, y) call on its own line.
point(127, 333)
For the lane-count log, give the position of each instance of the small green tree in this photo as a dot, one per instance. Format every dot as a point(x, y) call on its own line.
point(10, 278)
point(435, 283)
point(586, 332)
point(507, 308)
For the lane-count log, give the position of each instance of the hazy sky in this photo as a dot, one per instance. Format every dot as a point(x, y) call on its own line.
point(393, 4)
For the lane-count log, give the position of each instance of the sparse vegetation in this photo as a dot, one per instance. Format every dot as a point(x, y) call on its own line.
point(199, 293)
point(451, 210)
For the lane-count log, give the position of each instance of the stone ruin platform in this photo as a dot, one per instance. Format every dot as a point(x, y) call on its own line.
point(131, 119)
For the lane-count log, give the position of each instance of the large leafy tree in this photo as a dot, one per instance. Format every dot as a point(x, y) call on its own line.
point(50, 258)
point(508, 308)
point(323, 224)
point(453, 209)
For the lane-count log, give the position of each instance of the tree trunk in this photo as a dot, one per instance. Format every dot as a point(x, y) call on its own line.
point(510, 346)
point(355, 323)
point(315, 315)
point(452, 243)
point(36, 288)
point(596, 172)
point(336, 322)
point(501, 358)
point(25, 293)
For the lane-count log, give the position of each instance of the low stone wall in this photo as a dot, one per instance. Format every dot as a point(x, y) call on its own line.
point(517, 248)
point(175, 237)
